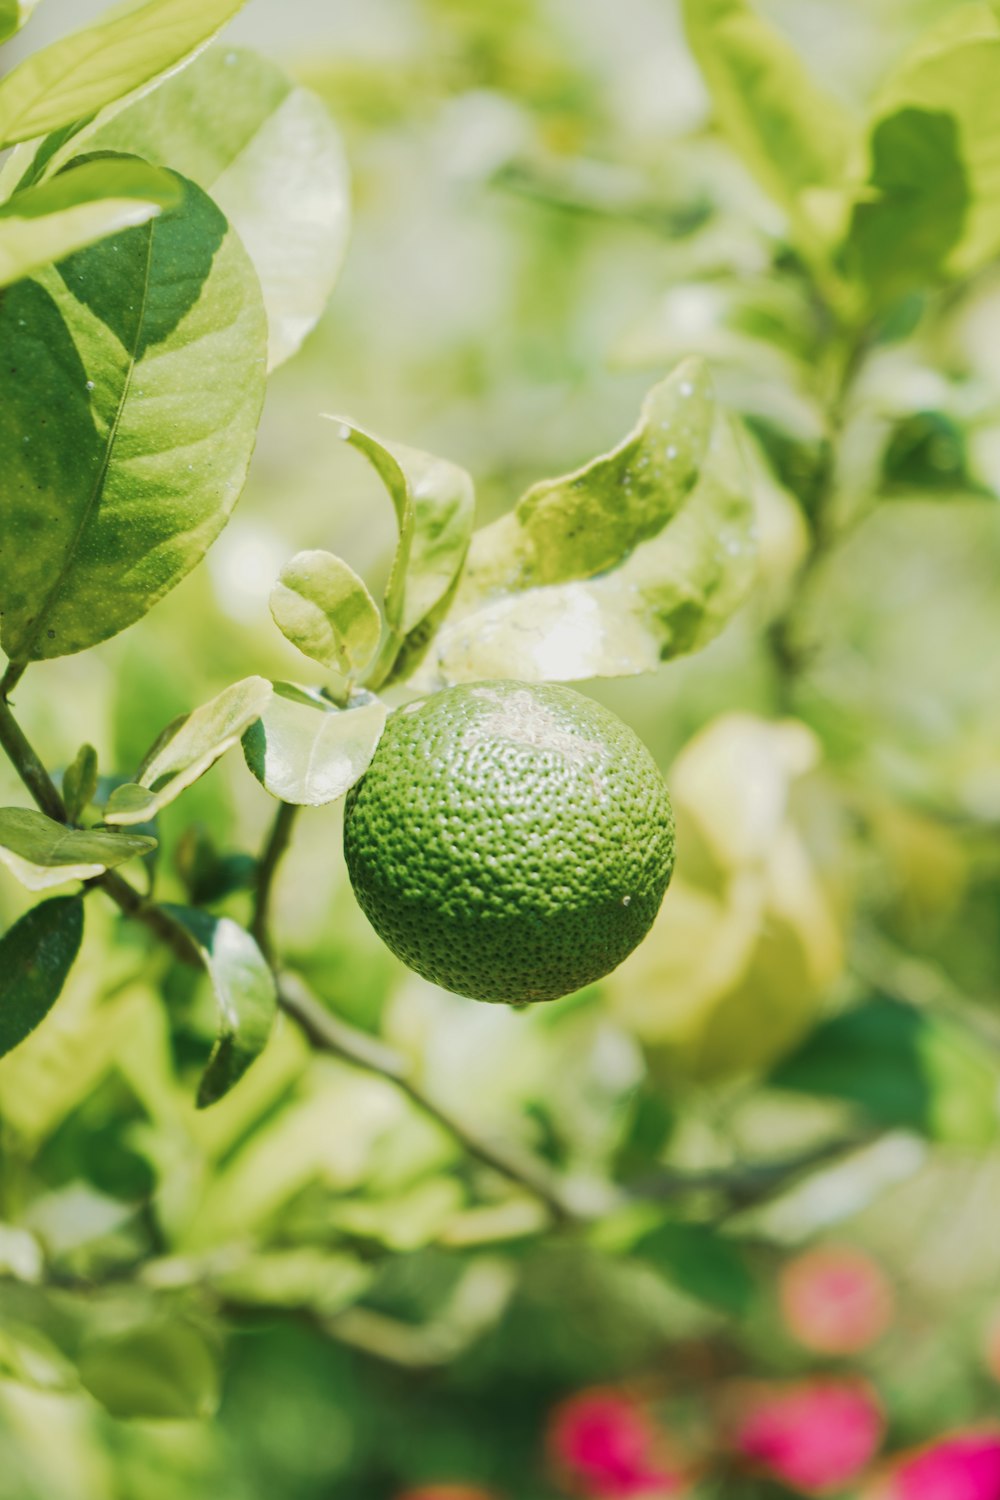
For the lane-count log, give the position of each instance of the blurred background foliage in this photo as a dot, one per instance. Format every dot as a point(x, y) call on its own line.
point(311, 1290)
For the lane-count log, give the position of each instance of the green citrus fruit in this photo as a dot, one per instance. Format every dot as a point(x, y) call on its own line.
point(509, 841)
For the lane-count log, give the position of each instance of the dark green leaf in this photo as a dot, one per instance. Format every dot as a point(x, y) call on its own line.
point(915, 207)
point(81, 73)
point(44, 853)
point(246, 995)
point(950, 75)
point(903, 1068)
point(306, 751)
point(187, 749)
point(130, 387)
point(701, 1263)
point(36, 955)
point(83, 204)
point(79, 782)
point(271, 158)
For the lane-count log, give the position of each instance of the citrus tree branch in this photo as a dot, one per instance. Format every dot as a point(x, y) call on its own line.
point(27, 764)
point(278, 840)
point(328, 1033)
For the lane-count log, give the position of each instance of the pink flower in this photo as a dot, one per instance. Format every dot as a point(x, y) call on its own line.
point(609, 1449)
point(964, 1466)
point(815, 1436)
point(835, 1299)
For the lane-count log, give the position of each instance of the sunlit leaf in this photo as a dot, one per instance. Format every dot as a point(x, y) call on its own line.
point(792, 134)
point(43, 853)
point(271, 157)
point(149, 348)
point(245, 992)
point(590, 520)
point(83, 204)
point(434, 504)
point(305, 750)
point(167, 1369)
point(904, 1069)
point(82, 72)
point(187, 749)
point(324, 609)
point(670, 596)
point(36, 954)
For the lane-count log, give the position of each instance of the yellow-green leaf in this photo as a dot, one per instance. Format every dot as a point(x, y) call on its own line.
point(82, 72)
point(83, 204)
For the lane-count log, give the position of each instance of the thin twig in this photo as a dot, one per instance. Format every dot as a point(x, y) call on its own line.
point(750, 1182)
point(328, 1033)
point(277, 842)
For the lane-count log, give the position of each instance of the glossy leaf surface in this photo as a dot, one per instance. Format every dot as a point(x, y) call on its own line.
point(150, 350)
point(306, 751)
point(271, 157)
point(81, 73)
point(245, 992)
point(36, 954)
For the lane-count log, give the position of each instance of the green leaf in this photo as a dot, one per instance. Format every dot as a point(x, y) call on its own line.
point(36, 954)
point(246, 994)
point(82, 72)
point(792, 135)
point(670, 596)
point(903, 1068)
point(149, 348)
point(163, 1370)
point(306, 751)
point(951, 75)
point(187, 749)
point(13, 15)
point(43, 853)
point(83, 204)
point(324, 609)
point(271, 157)
point(592, 519)
point(322, 1280)
point(79, 782)
point(700, 1262)
point(434, 503)
point(902, 234)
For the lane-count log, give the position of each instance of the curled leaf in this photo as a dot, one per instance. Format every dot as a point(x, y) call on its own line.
point(305, 750)
point(187, 749)
point(246, 994)
point(325, 609)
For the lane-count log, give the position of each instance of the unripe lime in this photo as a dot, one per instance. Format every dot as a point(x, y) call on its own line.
point(509, 841)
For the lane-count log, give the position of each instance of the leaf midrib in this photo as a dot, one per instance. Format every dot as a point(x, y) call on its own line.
point(102, 473)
